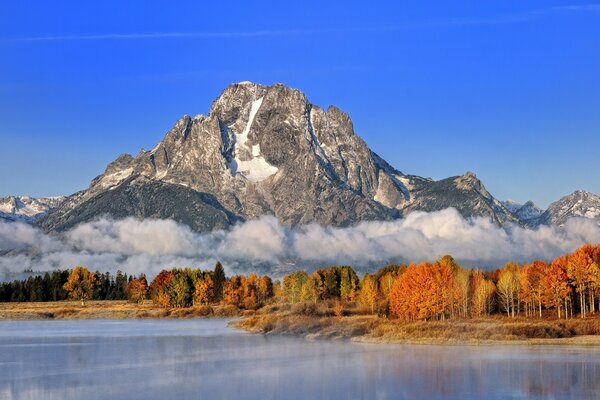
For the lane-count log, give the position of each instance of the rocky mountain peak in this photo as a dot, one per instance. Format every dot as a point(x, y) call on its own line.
point(469, 181)
point(27, 208)
point(577, 204)
point(267, 150)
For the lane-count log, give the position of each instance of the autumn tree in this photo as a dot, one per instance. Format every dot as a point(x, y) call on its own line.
point(555, 286)
point(337, 282)
point(205, 290)
point(292, 285)
point(80, 285)
point(308, 291)
point(137, 289)
point(581, 274)
point(508, 288)
point(233, 291)
point(250, 297)
point(368, 292)
point(159, 289)
point(349, 283)
point(595, 273)
point(444, 273)
point(461, 292)
point(277, 290)
point(385, 278)
point(181, 288)
point(414, 294)
point(264, 289)
point(530, 280)
point(535, 281)
point(483, 294)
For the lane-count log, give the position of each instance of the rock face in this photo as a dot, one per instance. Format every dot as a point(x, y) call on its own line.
point(527, 213)
point(577, 204)
point(266, 150)
point(27, 209)
point(465, 193)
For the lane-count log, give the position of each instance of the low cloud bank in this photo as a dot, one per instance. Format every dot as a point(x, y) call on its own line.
point(136, 246)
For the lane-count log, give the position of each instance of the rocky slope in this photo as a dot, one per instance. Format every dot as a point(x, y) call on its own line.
point(266, 150)
point(25, 208)
point(527, 213)
point(577, 204)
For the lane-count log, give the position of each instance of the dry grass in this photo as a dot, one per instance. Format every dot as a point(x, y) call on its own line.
point(107, 309)
point(321, 320)
point(317, 321)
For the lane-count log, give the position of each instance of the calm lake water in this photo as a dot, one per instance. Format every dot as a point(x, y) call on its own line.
point(203, 359)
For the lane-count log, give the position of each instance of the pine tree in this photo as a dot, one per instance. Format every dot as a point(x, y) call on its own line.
point(219, 279)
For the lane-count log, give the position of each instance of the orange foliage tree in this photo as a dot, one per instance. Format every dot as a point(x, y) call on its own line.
point(580, 270)
point(555, 286)
point(413, 293)
point(137, 289)
point(159, 291)
point(205, 290)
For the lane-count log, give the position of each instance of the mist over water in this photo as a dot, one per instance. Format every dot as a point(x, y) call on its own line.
point(170, 359)
point(264, 245)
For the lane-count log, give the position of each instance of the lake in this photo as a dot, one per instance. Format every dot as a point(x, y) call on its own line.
point(204, 359)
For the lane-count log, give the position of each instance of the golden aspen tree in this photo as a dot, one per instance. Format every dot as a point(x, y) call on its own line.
point(368, 292)
point(80, 284)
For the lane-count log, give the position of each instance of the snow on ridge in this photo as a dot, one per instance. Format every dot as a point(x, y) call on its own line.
point(254, 167)
point(27, 208)
point(115, 178)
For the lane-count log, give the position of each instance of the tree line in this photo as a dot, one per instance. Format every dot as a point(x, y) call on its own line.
point(50, 286)
point(568, 285)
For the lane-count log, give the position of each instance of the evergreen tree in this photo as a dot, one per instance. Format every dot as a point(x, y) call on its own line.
point(218, 282)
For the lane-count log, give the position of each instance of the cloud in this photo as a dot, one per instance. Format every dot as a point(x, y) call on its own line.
point(264, 245)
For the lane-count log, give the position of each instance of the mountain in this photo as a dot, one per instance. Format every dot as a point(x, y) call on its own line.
point(578, 204)
point(511, 205)
point(27, 209)
point(526, 213)
point(266, 150)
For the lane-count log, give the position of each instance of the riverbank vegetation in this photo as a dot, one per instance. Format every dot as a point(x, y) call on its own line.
point(437, 301)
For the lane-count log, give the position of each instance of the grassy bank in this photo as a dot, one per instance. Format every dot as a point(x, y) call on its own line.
point(325, 320)
point(107, 309)
point(319, 322)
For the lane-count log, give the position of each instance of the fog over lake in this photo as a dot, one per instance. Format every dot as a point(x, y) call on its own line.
point(192, 359)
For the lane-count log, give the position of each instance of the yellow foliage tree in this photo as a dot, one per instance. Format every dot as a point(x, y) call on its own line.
point(80, 284)
point(368, 292)
point(205, 290)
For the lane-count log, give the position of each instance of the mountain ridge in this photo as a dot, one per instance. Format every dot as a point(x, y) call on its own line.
point(267, 150)
point(26, 208)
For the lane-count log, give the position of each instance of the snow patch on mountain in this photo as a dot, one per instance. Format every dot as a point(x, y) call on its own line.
point(527, 212)
point(248, 161)
point(512, 205)
point(111, 180)
point(26, 208)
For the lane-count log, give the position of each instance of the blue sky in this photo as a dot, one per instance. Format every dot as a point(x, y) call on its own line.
point(507, 89)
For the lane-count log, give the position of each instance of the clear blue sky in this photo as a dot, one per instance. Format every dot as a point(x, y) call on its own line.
point(507, 89)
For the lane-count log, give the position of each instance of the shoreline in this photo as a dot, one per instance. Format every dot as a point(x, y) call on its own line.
point(292, 320)
point(305, 322)
point(110, 310)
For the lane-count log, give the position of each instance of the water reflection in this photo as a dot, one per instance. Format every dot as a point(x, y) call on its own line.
point(204, 359)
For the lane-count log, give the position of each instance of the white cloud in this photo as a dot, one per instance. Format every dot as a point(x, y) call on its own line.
point(148, 246)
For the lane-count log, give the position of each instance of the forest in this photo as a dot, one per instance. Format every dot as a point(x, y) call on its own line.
point(565, 287)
